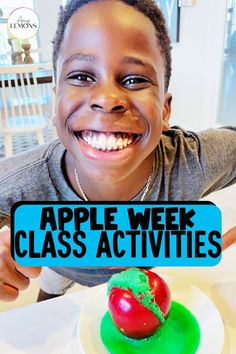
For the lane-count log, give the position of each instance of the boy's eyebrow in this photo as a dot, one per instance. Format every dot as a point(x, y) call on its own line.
point(126, 60)
point(80, 57)
point(137, 61)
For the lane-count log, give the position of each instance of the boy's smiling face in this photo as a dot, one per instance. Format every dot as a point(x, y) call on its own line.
point(111, 106)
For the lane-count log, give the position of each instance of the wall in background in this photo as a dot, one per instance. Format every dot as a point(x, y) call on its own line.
point(48, 14)
point(197, 64)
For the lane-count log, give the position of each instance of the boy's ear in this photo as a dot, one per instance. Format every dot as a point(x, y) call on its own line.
point(166, 112)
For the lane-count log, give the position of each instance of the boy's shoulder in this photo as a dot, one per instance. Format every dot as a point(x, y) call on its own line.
point(28, 161)
point(177, 135)
point(205, 147)
point(31, 176)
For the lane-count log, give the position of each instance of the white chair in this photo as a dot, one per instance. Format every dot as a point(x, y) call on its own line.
point(22, 100)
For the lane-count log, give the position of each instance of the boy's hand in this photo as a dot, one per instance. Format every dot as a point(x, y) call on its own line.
point(229, 238)
point(13, 277)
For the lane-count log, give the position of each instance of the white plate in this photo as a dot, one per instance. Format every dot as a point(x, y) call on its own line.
point(87, 334)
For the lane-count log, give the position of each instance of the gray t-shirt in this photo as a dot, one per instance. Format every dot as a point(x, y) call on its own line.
point(188, 166)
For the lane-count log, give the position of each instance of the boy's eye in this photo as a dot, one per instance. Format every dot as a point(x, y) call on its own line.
point(81, 79)
point(135, 82)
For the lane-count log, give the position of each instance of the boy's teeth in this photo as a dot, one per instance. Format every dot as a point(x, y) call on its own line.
point(108, 141)
point(111, 143)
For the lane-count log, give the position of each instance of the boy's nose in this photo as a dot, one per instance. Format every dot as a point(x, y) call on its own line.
point(108, 102)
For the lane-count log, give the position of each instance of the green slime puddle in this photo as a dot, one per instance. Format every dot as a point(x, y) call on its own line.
point(179, 335)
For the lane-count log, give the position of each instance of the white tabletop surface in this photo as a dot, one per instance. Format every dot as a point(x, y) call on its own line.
point(47, 327)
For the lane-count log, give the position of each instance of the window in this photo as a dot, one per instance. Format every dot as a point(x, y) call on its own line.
point(227, 99)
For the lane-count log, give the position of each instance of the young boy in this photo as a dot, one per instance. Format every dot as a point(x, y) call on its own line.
point(112, 65)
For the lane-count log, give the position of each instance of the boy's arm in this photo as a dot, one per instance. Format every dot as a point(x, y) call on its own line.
point(13, 277)
point(229, 238)
point(217, 153)
point(218, 157)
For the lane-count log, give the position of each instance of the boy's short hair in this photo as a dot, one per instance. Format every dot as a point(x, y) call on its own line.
point(148, 7)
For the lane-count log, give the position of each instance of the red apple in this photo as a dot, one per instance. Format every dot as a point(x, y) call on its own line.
point(133, 318)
